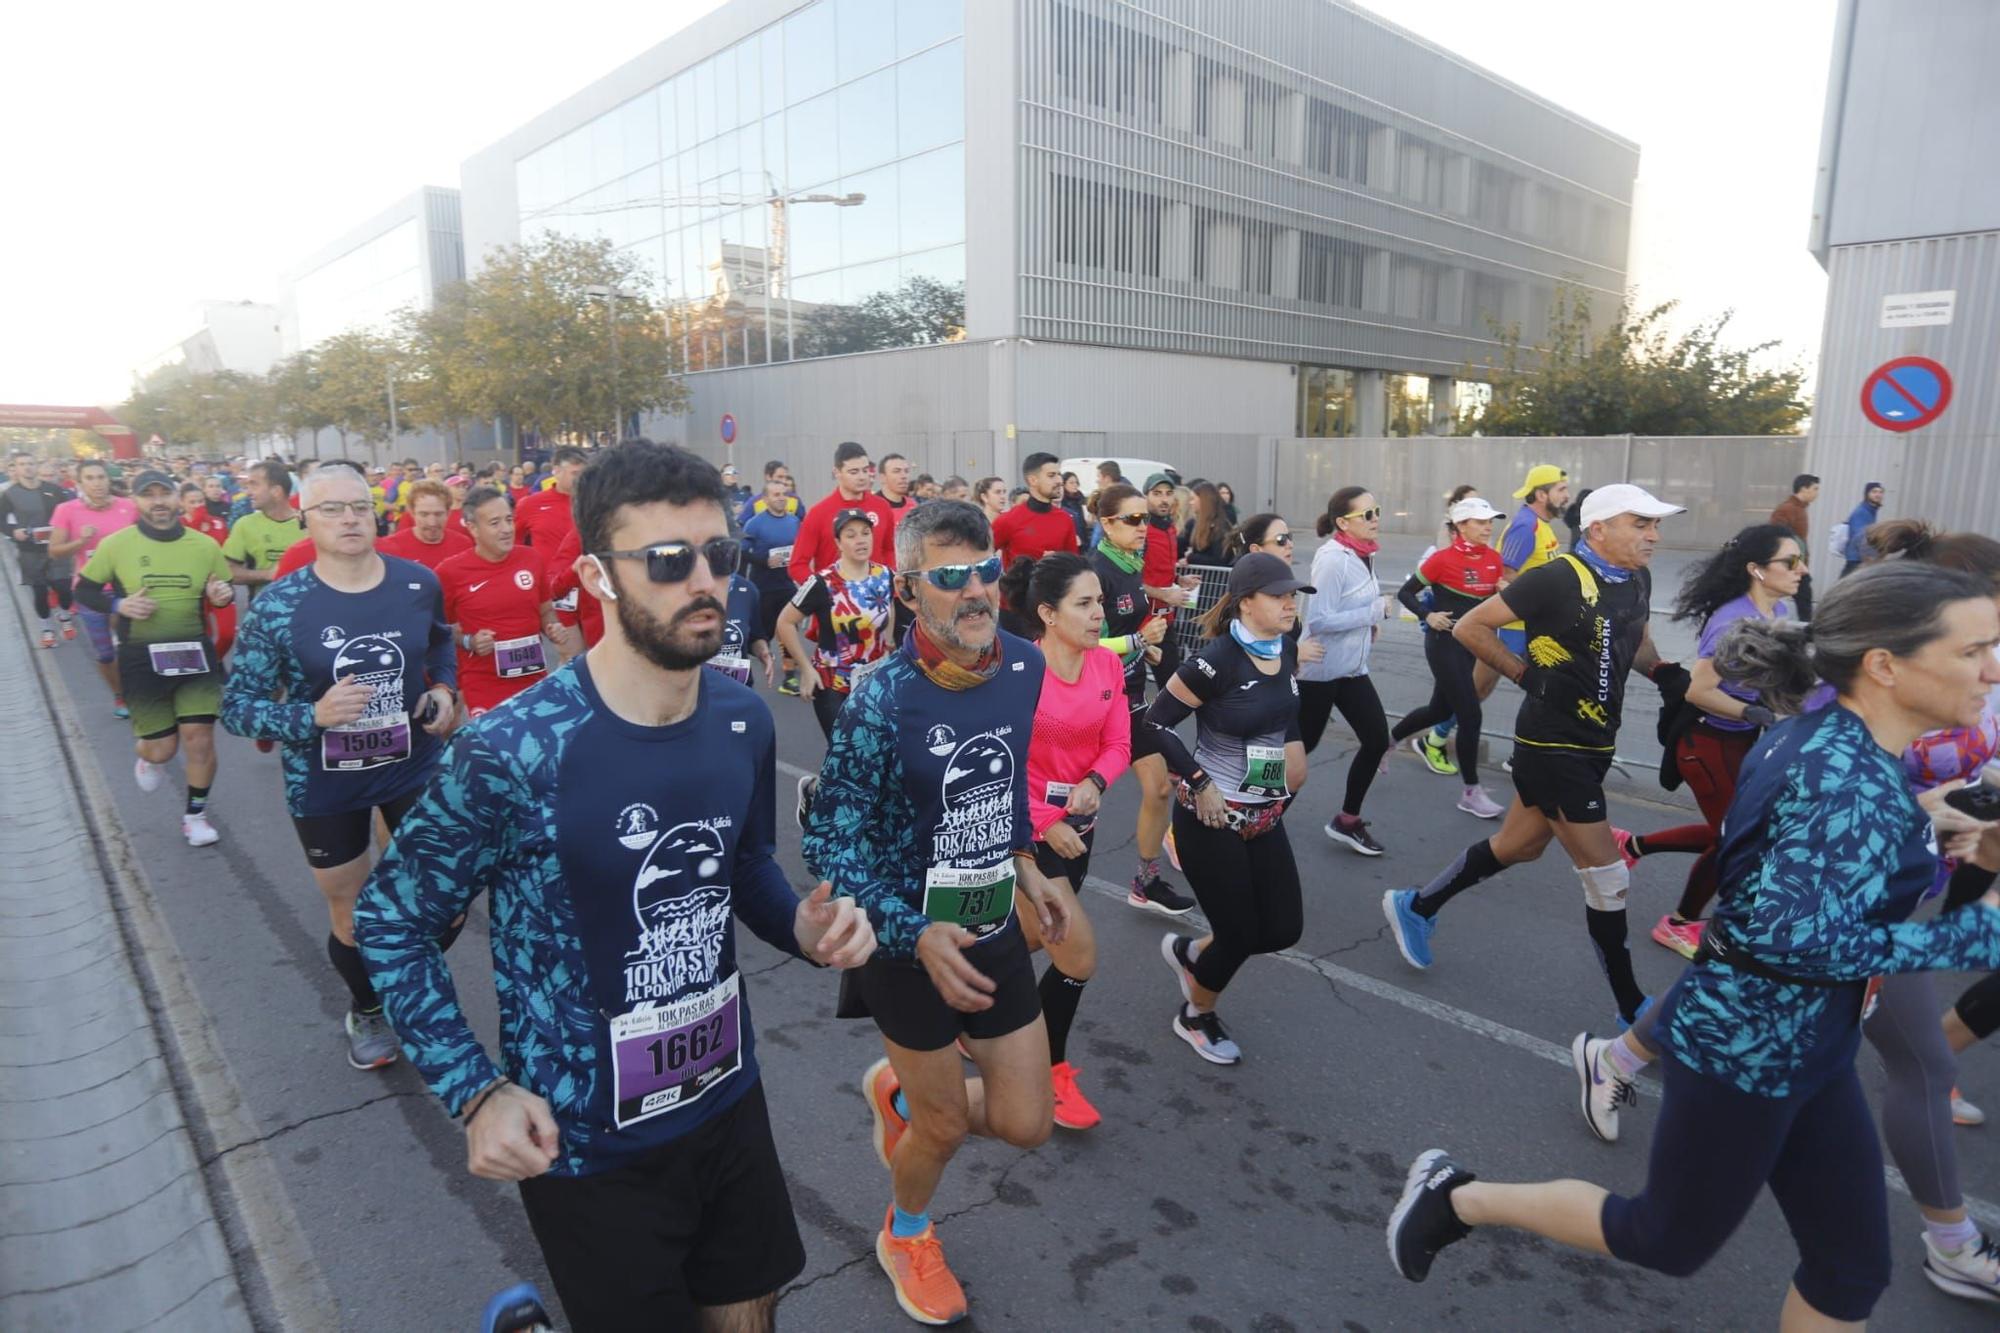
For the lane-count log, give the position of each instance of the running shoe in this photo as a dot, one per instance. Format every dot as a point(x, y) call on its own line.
point(1412, 932)
point(1173, 852)
point(266, 746)
point(1173, 949)
point(68, 624)
point(879, 1086)
point(1623, 838)
point(1973, 1272)
point(807, 789)
point(1424, 1222)
point(1428, 748)
point(1204, 1033)
point(371, 1042)
point(1507, 765)
point(1604, 1089)
point(1156, 895)
point(1683, 937)
point(1351, 832)
point(198, 831)
point(49, 641)
point(518, 1309)
point(1964, 1112)
point(1073, 1109)
point(790, 684)
point(924, 1285)
point(118, 708)
point(1475, 801)
point(146, 775)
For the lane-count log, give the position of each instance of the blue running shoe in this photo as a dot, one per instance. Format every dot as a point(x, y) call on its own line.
point(1644, 1005)
point(1412, 932)
point(517, 1310)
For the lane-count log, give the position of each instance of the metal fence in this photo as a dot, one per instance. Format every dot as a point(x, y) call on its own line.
point(1187, 625)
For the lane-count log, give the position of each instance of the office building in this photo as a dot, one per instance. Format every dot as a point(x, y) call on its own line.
point(240, 336)
point(399, 257)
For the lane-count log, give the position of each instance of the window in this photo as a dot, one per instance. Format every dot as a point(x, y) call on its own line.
point(933, 199)
point(1107, 65)
point(866, 32)
point(868, 122)
point(1326, 402)
point(1330, 271)
point(1337, 140)
point(868, 229)
point(808, 38)
point(922, 23)
point(812, 144)
point(1106, 227)
point(930, 99)
point(1407, 405)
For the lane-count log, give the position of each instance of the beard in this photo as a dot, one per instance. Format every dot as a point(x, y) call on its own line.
point(970, 627)
point(665, 643)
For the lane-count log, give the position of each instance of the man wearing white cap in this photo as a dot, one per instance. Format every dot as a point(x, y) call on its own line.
point(1586, 629)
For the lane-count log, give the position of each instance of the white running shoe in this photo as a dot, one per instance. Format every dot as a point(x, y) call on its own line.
point(1973, 1273)
point(1475, 801)
point(1964, 1112)
point(1604, 1089)
point(146, 775)
point(198, 831)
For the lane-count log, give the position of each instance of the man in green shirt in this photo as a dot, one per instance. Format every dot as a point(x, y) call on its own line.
point(259, 539)
point(153, 579)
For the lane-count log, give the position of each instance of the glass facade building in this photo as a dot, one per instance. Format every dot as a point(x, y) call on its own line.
point(398, 258)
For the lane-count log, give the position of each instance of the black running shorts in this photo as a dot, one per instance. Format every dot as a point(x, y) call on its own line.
point(1073, 869)
point(334, 840)
point(704, 1220)
point(910, 1012)
point(1562, 784)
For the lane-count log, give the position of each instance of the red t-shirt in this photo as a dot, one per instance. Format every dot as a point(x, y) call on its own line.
point(453, 521)
point(542, 519)
point(814, 548)
point(1162, 558)
point(406, 544)
point(504, 596)
point(209, 526)
point(296, 557)
point(1027, 531)
point(563, 581)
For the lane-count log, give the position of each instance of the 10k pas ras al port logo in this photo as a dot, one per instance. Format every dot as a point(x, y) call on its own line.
point(680, 905)
point(978, 797)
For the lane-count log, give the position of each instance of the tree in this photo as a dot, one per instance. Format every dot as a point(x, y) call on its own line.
point(1635, 377)
point(352, 390)
point(920, 312)
point(295, 397)
point(430, 389)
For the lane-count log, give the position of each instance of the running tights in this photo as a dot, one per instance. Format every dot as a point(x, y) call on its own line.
point(1452, 695)
point(1249, 891)
point(827, 703)
point(1709, 761)
point(1361, 708)
point(1916, 1095)
point(1714, 1150)
point(39, 593)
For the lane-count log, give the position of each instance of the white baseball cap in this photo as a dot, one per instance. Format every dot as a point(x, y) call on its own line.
point(1624, 498)
point(1472, 507)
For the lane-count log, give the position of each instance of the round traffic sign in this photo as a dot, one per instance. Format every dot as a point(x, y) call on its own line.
point(1906, 393)
point(728, 428)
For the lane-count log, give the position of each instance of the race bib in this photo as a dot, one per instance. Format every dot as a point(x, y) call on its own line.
point(666, 1057)
point(366, 742)
point(178, 659)
point(783, 555)
point(736, 668)
point(519, 657)
point(980, 900)
point(41, 535)
point(1058, 793)
point(860, 671)
point(566, 602)
point(1264, 772)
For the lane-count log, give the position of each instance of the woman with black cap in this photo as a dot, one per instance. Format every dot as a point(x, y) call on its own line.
point(1247, 764)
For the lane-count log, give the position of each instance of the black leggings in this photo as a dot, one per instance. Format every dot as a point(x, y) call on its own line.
point(1249, 891)
point(1361, 708)
point(39, 593)
point(827, 703)
point(1452, 695)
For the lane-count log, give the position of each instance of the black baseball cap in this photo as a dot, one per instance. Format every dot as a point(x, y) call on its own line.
point(847, 516)
point(154, 477)
point(1261, 571)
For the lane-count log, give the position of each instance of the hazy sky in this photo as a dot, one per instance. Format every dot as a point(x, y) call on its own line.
point(204, 148)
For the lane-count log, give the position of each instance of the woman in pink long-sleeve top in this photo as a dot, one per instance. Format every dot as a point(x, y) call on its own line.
point(1082, 742)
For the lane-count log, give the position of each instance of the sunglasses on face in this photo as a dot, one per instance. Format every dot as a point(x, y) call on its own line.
point(1369, 515)
point(1129, 520)
point(1789, 561)
point(951, 578)
point(672, 562)
point(1282, 539)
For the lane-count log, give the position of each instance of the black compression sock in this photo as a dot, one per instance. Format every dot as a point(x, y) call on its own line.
point(1475, 863)
point(197, 800)
point(346, 960)
point(1060, 994)
point(1607, 933)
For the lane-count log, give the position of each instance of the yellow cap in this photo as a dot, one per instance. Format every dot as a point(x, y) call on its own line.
point(1541, 474)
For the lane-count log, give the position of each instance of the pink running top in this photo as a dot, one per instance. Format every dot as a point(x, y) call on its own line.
point(1079, 728)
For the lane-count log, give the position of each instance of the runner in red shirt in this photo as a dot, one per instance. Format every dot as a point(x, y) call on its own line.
point(1030, 531)
point(429, 539)
point(496, 596)
point(893, 474)
point(543, 519)
point(816, 548)
point(195, 514)
point(563, 582)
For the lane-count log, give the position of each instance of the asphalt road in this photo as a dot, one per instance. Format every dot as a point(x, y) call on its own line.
point(1247, 1198)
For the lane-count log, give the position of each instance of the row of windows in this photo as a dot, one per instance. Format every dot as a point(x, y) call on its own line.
point(364, 287)
point(1330, 402)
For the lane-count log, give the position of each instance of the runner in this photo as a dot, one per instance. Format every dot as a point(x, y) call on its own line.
point(1825, 855)
point(197, 515)
point(1134, 631)
point(543, 520)
point(1082, 742)
point(1344, 618)
point(850, 604)
point(259, 539)
point(27, 515)
point(741, 643)
point(922, 816)
point(893, 490)
point(565, 584)
point(1586, 616)
point(1459, 577)
point(1756, 573)
point(496, 596)
point(431, 538)
point(1247, 765)
point(75, 529)
point(302, 552)
point(1791, 513)
point(622, 820)
point(770, 529)
point(817, 546)
point(152, 579)
point(1030, 531)
point(358, 647)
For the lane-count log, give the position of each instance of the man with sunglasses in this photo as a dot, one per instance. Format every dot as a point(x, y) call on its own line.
point(623, 818)
point(922, 815)
point(497, 597)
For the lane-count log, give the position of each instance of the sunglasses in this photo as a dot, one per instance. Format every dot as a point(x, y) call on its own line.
point(1282, 539)
point(1129, 520)
point(951, 578)
point(1374, 513)
point(672, 562)
point(1789, 561)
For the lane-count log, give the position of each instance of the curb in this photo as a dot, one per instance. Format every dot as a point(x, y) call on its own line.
point(281, 1279)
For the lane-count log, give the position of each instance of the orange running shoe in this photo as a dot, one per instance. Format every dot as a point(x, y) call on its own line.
point(1683, 937)
point(879, 1086)
point(924, 1285)
point(1073, 1111)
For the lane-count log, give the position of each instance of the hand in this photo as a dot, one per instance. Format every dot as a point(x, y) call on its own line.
point(1211, 808)
point(512, 1136)
point(1959, 834)
point(482, 643)
point(1153, 631)
point(346, 700)
point(1385, 608)
point(1063, 840)
point(568, 639)
point(833, 931)
point(139, 606)
point(1051, 912)
point(444, 717)
point(1154, 655)
point(770, 666)
point(220, 592)
point(1084, 798)
point(1759, 716)
point(808, 683)
point(1439, 621)
point(1311, 650)
point(961, 985)
point(20, 534)
point(774, 561)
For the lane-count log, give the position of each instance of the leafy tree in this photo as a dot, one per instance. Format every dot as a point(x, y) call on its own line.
point(1635, 377)
point(295, 397)
point(352, 389)
point(920, 312)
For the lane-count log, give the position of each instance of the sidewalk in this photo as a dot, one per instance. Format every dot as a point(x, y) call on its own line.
point(105, 1220)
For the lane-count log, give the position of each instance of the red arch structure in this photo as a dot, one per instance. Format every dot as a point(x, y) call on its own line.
point(124, 442)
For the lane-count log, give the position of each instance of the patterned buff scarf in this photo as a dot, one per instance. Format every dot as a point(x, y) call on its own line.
point(945, 673)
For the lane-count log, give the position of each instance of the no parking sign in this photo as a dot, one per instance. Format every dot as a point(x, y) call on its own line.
point(1907, 393)
point(728, 428)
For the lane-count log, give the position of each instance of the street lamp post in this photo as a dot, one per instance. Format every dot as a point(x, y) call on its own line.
point(609, 295)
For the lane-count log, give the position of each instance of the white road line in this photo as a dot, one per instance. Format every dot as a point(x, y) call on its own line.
point(1982, 1212)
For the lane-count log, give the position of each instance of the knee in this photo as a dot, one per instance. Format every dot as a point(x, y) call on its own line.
point(1021, 1127)
point(1281, 932)
point(200, 744)
point(1077, 954)
point(1605, 887)
point(1154, 782)
point(942, 1129)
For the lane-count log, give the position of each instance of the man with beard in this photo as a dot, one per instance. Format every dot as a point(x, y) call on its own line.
point(623, 817)
point(922, 815)
point(497, 598)
point(348, 663)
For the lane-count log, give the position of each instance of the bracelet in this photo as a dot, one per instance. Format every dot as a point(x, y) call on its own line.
point(1199, 782)
point(1094, 776)
point(481, 1100)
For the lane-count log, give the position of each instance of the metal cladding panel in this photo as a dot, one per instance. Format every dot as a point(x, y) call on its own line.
point(1072, 387)
point(1946, 472)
